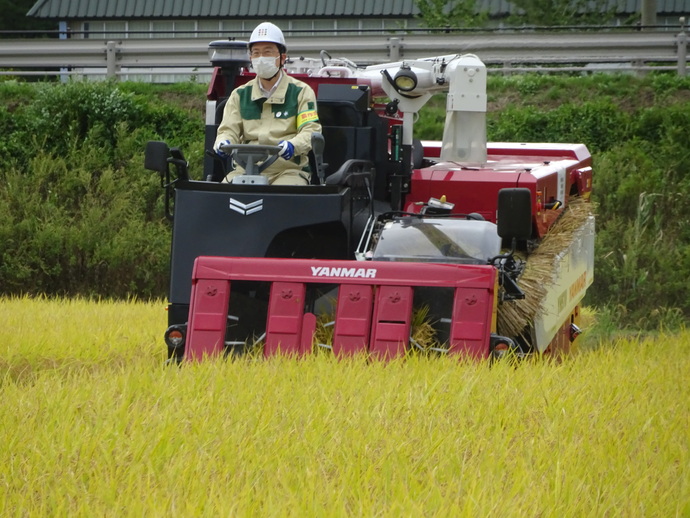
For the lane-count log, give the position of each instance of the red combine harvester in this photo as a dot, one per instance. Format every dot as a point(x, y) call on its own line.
point(489, 246)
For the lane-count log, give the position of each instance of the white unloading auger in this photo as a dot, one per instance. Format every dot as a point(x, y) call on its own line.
point(409, 84)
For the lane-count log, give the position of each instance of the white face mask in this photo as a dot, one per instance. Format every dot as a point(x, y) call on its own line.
point(265, 67)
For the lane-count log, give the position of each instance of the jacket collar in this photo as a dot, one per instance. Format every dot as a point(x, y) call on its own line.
point(278, 95)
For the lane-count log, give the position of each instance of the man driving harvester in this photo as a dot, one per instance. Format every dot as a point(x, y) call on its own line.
point(271, 109)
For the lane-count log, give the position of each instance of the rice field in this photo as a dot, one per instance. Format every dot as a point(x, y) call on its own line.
point(93, 424)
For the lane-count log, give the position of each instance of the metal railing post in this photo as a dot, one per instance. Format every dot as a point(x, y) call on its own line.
point(682, 42)
point(394, 49)
point(63, 36)
point(111, 60)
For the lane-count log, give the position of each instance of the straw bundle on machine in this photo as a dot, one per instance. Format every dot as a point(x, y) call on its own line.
point(540, 270)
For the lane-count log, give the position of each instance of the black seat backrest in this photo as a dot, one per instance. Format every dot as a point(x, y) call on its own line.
point(348, 125)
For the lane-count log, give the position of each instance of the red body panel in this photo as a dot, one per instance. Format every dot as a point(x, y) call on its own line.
point(470, 190)
point(392, 320)
point(210, 299)
point(353, 319)
point(288, 326)
point(387, 287)
point(552, 172)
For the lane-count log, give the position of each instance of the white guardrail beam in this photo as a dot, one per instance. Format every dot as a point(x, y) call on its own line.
point(511, 52)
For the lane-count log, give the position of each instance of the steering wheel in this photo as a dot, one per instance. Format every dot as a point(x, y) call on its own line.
point(247, 155)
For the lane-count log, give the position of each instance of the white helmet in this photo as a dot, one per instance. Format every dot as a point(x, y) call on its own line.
point(267, 32)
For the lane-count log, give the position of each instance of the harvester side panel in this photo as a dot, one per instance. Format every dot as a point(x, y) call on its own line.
point(573, 273)
point(210, 299)
point(392, 320)
point(471, 190)
point(473, 318)
point(552, 172)
point(284, 327)
point(353, 319)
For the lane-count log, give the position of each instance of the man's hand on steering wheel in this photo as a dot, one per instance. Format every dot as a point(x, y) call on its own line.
point(219, 149)
point(287, 150)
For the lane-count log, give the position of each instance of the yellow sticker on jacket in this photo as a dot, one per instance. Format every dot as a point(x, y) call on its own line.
point(306, 116)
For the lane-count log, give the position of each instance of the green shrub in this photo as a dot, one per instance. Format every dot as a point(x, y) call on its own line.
point(597, 123)
point(72, 230)
point(78, 212)
point(643, 235)
point(65, 113)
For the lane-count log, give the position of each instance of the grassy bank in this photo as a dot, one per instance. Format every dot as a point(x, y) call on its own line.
point(93, 424)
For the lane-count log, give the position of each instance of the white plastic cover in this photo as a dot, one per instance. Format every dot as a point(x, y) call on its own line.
point(439, 240)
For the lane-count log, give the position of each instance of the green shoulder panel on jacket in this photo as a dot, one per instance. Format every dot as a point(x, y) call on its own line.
point(249, 110)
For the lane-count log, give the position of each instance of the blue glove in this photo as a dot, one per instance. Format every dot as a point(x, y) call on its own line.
point(219, 151)
point(287, 150)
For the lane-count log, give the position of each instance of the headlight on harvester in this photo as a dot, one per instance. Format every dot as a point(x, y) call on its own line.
point(405, 80)
point(175, 336)
point(502, 347)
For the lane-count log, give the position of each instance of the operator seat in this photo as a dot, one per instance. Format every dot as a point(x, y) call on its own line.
point(355, 136)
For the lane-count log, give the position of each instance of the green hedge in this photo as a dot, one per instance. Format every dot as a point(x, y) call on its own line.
point(80, 215)
point(78, 212)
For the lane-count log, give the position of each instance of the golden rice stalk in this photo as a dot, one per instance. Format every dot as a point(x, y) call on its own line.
point(323, 335)
point(540, 270)
point(422, 331)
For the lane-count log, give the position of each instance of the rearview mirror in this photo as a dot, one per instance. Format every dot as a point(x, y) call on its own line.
point(514, 215)
point(156, 156)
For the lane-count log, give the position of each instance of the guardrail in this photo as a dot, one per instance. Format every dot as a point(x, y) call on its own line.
point(503, 52)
